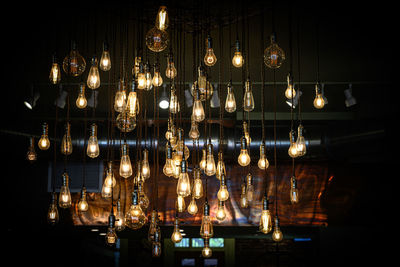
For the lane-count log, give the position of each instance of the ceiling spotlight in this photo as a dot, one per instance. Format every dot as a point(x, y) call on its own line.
point(61, 99)
point(164, 103)
point(92, 101)
point(350, 100)
point(295, 99)
point(30, 102)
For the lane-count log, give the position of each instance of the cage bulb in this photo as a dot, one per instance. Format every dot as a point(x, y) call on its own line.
point(248, 99)
point(66, 142)
point(64, 199)
point(210, 163)
point(125, 167)
point(244, 157)
point(44, 142)
point(210, 59)
point(237, 60)
point(230, 102)
point(93, 80)
point(93, 149)
point(119, 218)
point(176, 236)
point(263, 162)
point(221, 214)
point(135, 217)
point(265, 219)
point(31, 154)
point(156, 39)
point(197, 184)
point(274, 56)
point(55, 72)
point(74, 64)
point(83, 204)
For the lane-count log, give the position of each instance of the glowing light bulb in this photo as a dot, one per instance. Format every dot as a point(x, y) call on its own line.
point(66, 143)
point(81, 101)
point(180, 203)
point(125, 167)
point(237, 60)
point(136, 66)
point(249, 188)
point(244, 157)
point(111, 235)
point(74, 64)
point(52, 212)
point(176, 163)
point(153, 226)
point(203, 85)
point(147, 75)
point(220, 166)
point(192, 208)
point(277, 235)
point(203, 161)
point(156, 245)
point(319, 101)
point(230, 102)
point(106, 191)
point(173, 101)
point(126, 122)
point(274, 56)
point(301, 142)
point(194, 131)
point(176, 236)
point(44, 142)
point(265, 219)
point(198, 114)
point(210, 59)
point(110, 181)
point(93, 149)
point(263, 162)
point(221, 214)
point(170, 71)
point(132, 104)
point(168, 167)
point(197, 184)
point(145, 164)
point(119, 218)
point(141, 77)
point(135, 217)
point(162, 20)
point(246, 133)
point(55, 72)
point(206, 252)
point(83, 205)
point(210, 163)
point(64, 199)
point(105, 60)
point(157, 40)
point(31, 155)
point(143, 199)
point(293, 153)
point(243, 197)
point(120, 97)
point(248, 99)
point(294, 192)
point(290, 93)
point(223, 193)
point(183, 186)
point(157, 79)
point(93, 80)
point(206, 228)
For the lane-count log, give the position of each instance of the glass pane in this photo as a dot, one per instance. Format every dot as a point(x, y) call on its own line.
point(188, 262)
point(183, 244)
point(210, 262)
point(197, 242)
point(216, 242)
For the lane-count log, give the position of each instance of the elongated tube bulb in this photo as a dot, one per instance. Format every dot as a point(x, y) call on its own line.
point(141, 77)
point(265, 219)
point(162, 20)
point(93, 149)
point(220, 166)
point(66, 142)
point(149, 78)
point(173, 101)
point(292, 151)
point(210, 162)
point(64, 199)
point(263, 162)
point(197, 184)
point(145, 164)
point(249, 188)
point(119, 218)
point(294, 192)
point(180, 204)
point(230, 102)
point(120, 97)
point(52, 212)
point(301, 142)
point(203, 160)
point(93, 80)
point(248, 99)
point(105, 60)
point(183, 187)
point(55, 72)
point(132, 104)
point(243, 197)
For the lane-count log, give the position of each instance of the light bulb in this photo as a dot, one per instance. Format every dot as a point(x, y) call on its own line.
point(145, 164)
point(157, 79)
point(93, 80)
point(300, 142)
point(52, 212)
point(248, 99)
point(180, 203)
point(210, 163)
point(105, 60)
point(192, 208)
point(176, 164)
point(246, 133)
point(106, 191)
point(110, 179)
point(93, 149)
point(203, 161)
point(64, 199)
point(143, 199)
point(274, 56)
point(263, 162)
point(119, 218)
point(294, 191)
point(157, 40)
point(168, 168)
point(220, 166)
point(277, 235)
point(221, 214)
point(243, 197)
point(74, 64)
point(111, 235)
point(135, 217)
point(206, 228)
point(55, 72)
point(120, 97)
point(237, 60)
point(204, 87)
point(223, 193)
point(156, 245)
point(173, 101)
point(206, 252)
point(176, 236)
point(209, 59)
point(183, 186)
point(66, 143)
point(290, 93)
point(319, 101)
point(198, 114)
point(194, 131)
point(249, 188)
point(292, 151)
point(83, 204)
point(162, 20)
point(44, 142)
point(152, 226)
point(265, 219)
point(141, 77)
point(31, 155)
point(170, 71)
point(132, 104)
point(197, 184)
point(147, 75)
point(81, 101)
point(136, 66)
point(244, 157)
point(180, 148)
point(230, 102)
point(125, 167)
point(126, 122)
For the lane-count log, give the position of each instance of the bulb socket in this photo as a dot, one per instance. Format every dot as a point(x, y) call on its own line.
point(210, 149)
point(249, 179)
point(145, 154)
point(209, 42)
point(276, 221)
point(133, 83)
point(318, 89)
point(109, 164)
point(82, 88)
point(45, 128)
point(94, 61)
point(265, 202)
point(223, 179)
point(156, 236)
point(111, 220)
point(73, 45)
point(243, 143)
point(118, 205)
point(180, 134)
point(135, 196)
point(31, 142)
point(65, 179)
point(247, 85)
point(153, 216)
point(83, 193)
point(300, 130)
point(124, 149)
point(196, 173)
point(141, 68)
point(273, 38)
point(221, 203)
point(220, 156)
point(68, 128)
point(294, 182)
point(262, 148)
point(237, 46)
point(183, 166)
point(206, 242)
point(206, 209)
point(105, 46)
point(93, 129)
point(289, 79)
point(292, 136)
point(169, 151)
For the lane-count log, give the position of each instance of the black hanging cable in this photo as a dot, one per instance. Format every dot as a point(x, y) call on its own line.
point(55, 150)
point(299, 70)
point(220, 73)
point(262, 89)
point(290, 72)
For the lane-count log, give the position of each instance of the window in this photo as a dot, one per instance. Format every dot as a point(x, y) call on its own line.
point(183, 244)
point(214, 242)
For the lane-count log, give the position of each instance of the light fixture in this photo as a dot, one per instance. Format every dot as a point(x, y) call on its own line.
point(180, 204)
point(168, 167)
point(125, 167)
point(145, 164)
point(132, 104)
point(230, 102)
point(265, 219)
point(44, 142)
point(210, 59)
point(198, 114)
point(105, 60)
point(93, 149)
point(170, 71)
point(263, 162)
point(202, 84)
point(64, 199)
point(81, 101)
point(111, 235)
point(141, 76)
point(93, 80)
point(163, 100)
point(31, 155)
point(274, 56)
point(194, 131)
point(55, 71)
point(157, 40)
point(248, 99)
point(350, 100)
point(183, 186)
point(74, 64)
point(223, 193)
point(135, 217)
point(290, 93)
point(249, 188)
point(220, 166)
point(237, 60)
point(206, 252)
point(157, 79)
point(173, 101)
point(293, 102)
point(119, 218)
point(292, 151)
point(319, 101)
point(30, 101)
point(206, 228)
point(192, 208)
point(301, 142)
point(210, 168)
point(66, 142)
point(197, 184)
point(156, 244)
point(83, 204)
point(126, 122)
point(221, 214)
point(162, 20)
point(110, 181)
point(244, 157)
point(143, 199)
point(203, 160)
point(294, 192)
point(277, 235)
point(52, 212)
point(176, 236)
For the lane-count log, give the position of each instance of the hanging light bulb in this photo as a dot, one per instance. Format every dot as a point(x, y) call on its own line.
point(223, 193)
point(198, 114)
point(120, 97)
point(156, 245)
point(105, 60)
point(125, 167)
point(210, 59)
point(31, 155)
point(249, 188)
point(111, 235)
point(210, 163)
point(44, 142)
point(110, 179)
point(246, 133)
point(300, 142)
point(119, 218)
point(170, 134)
point(74, 64)
point(157, 79)
point(293, 153)
point(274, 56)
point(265, 219)
point(173, 101)
point(143, 199)
point(55, 72)
point(248, 99)
point(83, 204)
point(290, 93)
point(52, 212)
point(180, 148)
point(243, 197)
point(162, 21)
point(180, 204)
point(66, 143)
point(168, 168)
point(171, 71)
point(206, 252)
point(176, 163)
point(263, 162)
point(81, 101)
point(153, 226)
point(145, 164)
point(64, 199)
point(237, 60)
point(244, 157)
point(93, 149)
point(230, 102)
point(176, 236)
point(197, 184)
point(132, 104)
point(221, 215)
point(136, 66)
point(203, 161)
point(183, 186)
point(206, 228)
point(157, 40)
point(319, 101)
point(93, 80)
point(126, 122)
point(192, 208)
point(141, 77)
point(147, 75)
point(194, 131)
point(294, 192)
point(220, 166)
point(277, 235)
point(135, 217)
point(203, 85)
point(106, 191)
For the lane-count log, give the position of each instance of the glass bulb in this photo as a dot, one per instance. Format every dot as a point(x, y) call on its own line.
point(244, 157)
point(176, 171)
point(206, 252)
point(156, 244)
point(180, 203)
point(237, 60)
point(204, 87)
point(145, 165)
point(292, 151)
point(319, 101)
point(274, 56)
point(126, 122)
point(168, 167)
point(294, 192)
point(206, 228)
point(221, 214)
point(81, 101)
point(210, 163)
point(290, 93)
point(223, 193)
point(66, 142)
point(198, 114)
point(31, 154)
point(93, 80)
point(143, 199)
point(52, 212)
point(210, 59)
point(243, 197)
point(230, 102)
point(265, 222)
point(263, 162)
point(120, 97)
point(106, 191)
point(157, 40)
point(105, 60)
point(192, 208)
point(74, 64)
point(136, 66)
point(64, 199)
point(153, 226)
point(277, 235)
point(203, 161)
point(157, 79)
point(173, 101)
point(194, 131)
point(248, 99)
point(83, 204)
point(149, 80)
point(55, 73)
point(162, 20)
point(110, 179)
point(171, 71)
point(220, 166)
point(197, 184)
point(135, 217)
point(93, 149)
point(141, 80)
point(176, 236)
point(183, 186)
point(132, 104)
point(119, 218)
point(111, 236)
point(301, 142)
point(125, 167)
point(44, 142)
